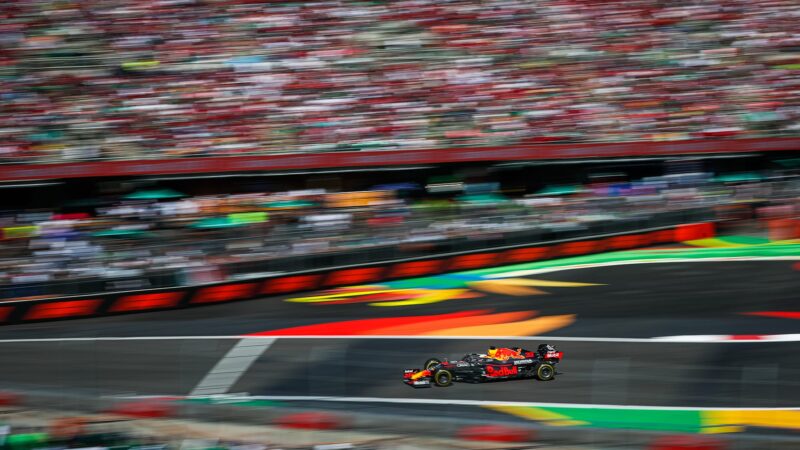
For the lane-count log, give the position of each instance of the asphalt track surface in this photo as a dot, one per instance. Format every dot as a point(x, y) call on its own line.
point(636, 301)
point(663, 374)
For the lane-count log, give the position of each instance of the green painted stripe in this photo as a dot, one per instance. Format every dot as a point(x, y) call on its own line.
point(685, 421)
point(776, 250)
point(746, 240)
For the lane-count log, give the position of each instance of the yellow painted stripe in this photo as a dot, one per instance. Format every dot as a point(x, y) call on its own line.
point(715, 243)
point(713, 421)
point(425, 297)
point(539, 415)
point(337, 295)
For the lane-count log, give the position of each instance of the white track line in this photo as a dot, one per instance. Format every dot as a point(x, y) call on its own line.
point(232, 366)
point(430, 401)
point(723, 337)
point(689, 339)
point(522, 273)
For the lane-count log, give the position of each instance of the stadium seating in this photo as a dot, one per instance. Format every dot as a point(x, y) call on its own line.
point(111, 79)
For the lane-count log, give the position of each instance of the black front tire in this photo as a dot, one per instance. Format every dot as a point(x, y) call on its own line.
point(443, 378)
point(431, 363)
point(545, 372)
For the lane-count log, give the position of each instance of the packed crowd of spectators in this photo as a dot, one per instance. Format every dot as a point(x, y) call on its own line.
point(117, 79)
point(207, 238)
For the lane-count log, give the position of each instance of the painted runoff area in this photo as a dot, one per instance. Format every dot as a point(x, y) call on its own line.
point(777, 251)
point(668, 419)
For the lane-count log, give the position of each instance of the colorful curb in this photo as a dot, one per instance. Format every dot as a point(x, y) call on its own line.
point(705, 421)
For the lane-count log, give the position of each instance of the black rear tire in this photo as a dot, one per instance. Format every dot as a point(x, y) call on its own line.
point(431, 363)
point(545, 372)
point(443, 378)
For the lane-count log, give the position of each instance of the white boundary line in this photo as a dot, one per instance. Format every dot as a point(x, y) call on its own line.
point(232, 366)
point(430, 401)
point(688, 339)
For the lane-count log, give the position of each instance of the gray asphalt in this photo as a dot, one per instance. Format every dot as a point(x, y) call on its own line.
point(658, 374)
point(635, 301)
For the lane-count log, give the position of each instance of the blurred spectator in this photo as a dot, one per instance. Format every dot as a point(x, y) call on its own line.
point(202, 236)
point(96, 79)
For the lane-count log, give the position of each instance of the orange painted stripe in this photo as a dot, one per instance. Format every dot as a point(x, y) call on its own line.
point(526, 254)
point(530, 327)
point(224, 293)
point(66, 308)
point(295, 283)
point(353, 276)
point(142, 302)
point(416, 268)
point(422, 327)
point(474, 261)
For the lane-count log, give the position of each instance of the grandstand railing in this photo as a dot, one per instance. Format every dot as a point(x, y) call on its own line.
point(271, 161)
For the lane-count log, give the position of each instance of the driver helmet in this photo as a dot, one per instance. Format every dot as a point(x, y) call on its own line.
point(492, 352)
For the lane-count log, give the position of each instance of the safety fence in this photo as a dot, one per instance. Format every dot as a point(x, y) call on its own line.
point(101, 304)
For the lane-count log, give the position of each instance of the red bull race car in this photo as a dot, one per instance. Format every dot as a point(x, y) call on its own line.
point(497, 364)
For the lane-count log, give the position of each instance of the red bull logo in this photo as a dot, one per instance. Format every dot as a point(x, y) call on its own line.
point(500, 371)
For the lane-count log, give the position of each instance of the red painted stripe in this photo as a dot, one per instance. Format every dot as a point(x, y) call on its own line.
point(224, 293)
point(473, 261)
point(353, 276)
point(312, 421)
point(496, 433)
point(694, 231)
point(746, 337)
point(663, 237)
point(576, 248)
point(362, 326)
point(526, 254)
point(66, 308)
point(4, 312)
point(143, 302)
point(779, 314)
point(416, 268)
point(295, 283)
point(622, 242)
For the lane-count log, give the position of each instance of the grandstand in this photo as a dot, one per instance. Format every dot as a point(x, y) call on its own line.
point(105, 79)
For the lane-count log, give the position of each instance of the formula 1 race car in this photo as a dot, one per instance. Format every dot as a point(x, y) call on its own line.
point(497, 364)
